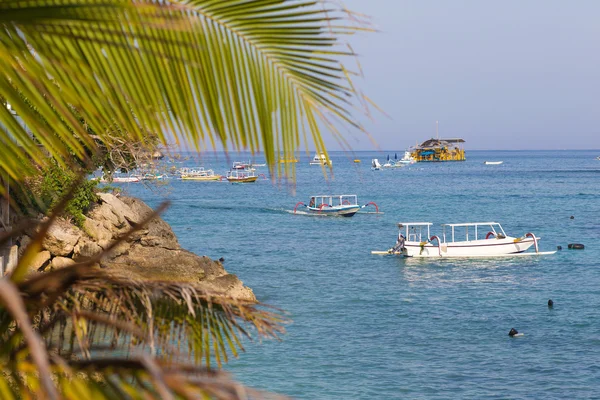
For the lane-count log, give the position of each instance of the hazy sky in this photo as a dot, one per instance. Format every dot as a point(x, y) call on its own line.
point(513, 74)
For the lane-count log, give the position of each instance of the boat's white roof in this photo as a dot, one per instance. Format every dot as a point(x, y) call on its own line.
point(415, 223)
point(332, 195)
point(472, 224)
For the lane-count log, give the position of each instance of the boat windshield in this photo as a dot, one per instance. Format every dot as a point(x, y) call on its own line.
point(471, 231)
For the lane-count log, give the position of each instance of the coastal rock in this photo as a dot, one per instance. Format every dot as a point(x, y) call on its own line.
point(40, 261)
point(157, 263)
point(61, 262)
point(120, 209)
point(121, 249)
point(107, 217)
point(86, 250)
point(158, 231)
point(96, 230)
point(230, 285)
point(152, 253)
point(61, 238)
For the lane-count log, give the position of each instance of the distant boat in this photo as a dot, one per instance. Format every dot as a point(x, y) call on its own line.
point(320, 159)
point(375, 164)
point(388, 163)
point(406, 159)
point(493, 162)
point(241, 176)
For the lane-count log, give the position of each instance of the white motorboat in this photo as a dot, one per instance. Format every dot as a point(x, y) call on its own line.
point(474, 239)
point(375, 164)
point(320, 159)
point(493, 162)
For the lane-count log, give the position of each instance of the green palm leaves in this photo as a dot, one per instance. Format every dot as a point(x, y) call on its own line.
point(258, 75)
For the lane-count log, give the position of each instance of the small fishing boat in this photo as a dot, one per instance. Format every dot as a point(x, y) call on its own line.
point(199, 174)
point(122, 179)
point(320, 159)
point(153, 176)
point(344, 205)
point(388, 163)
point(241, 165)
point(375, 166)
point(476, 239)
point(493, 162)
point(406, 159)
point(241, 176)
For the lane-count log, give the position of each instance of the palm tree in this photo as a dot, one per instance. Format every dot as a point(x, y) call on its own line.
point(261, 75)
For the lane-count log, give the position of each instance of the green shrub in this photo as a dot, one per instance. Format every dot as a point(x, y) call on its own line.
point(55, 184)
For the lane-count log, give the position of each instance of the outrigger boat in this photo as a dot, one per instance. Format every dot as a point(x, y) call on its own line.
point(478, 239)
point(241, 176)
point(344, 205)
point(199, 174)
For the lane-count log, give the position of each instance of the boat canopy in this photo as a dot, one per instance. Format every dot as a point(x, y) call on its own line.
point(415, 231)
point(333, 200)
point(478, 230)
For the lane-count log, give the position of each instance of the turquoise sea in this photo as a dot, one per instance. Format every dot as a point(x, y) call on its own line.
point(383, 327)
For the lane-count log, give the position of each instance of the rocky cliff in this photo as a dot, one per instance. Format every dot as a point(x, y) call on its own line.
point(152, 253)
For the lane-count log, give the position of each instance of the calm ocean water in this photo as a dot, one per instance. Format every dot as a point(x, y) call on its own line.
point(378, 327)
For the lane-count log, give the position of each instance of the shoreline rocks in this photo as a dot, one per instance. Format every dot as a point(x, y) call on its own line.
point(152, 253)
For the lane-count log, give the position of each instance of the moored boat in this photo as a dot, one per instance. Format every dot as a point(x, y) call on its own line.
point(199, 174)
point(375, 164)
point(320, 159)
point(406, 159)
point(493, 162)
point(241, 176)
point(344, 205)
point(123, 179)
point(475, 239)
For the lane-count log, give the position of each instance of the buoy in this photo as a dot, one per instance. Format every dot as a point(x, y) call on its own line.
point(572, 217)
point(512, 332)
point(550, 303)
point(576, 246)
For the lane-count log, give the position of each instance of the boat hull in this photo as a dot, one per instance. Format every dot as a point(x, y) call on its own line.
point(475, 248)
point(248, 179)
point(343, 211)
point(201, 178)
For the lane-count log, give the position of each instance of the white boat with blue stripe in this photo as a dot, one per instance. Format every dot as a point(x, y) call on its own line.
point(343, 205)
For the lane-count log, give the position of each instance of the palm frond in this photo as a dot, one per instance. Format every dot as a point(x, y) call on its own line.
point(241, 74)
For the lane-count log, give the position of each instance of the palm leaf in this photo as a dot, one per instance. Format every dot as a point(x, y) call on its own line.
point(233, 73)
